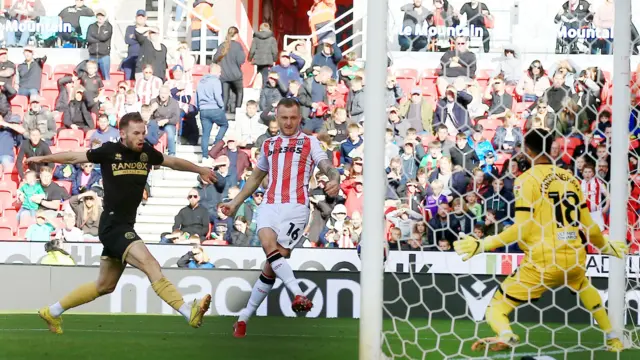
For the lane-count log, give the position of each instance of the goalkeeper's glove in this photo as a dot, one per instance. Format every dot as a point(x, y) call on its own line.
point(468, 246)
point(615, 248)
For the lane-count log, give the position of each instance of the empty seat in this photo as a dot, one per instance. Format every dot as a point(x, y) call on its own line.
point(76, 134)
point(490, 123)
point(69, 144)
point(65, 184)
point(19, 105)
point(116, 74)
point(8, 227)
point(46, 70)
point(199, 69)
point(62, 70)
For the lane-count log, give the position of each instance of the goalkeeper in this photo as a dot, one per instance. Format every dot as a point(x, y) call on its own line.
point(550, 214)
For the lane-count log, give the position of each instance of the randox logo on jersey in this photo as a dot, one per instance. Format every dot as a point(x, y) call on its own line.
point(286, 149)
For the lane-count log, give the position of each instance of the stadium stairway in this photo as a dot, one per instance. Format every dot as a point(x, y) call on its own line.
point(169, 188)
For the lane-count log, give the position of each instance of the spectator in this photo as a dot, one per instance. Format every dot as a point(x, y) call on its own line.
point(41, 119)
point(204, 8)
point(219, 219)
point(231, 56)
point(430, 162)
point(166, 111)
point(27, 192)
point(442, 136)
point(272, 130)
point(93, 86)
point(403, 219)
point(477, 13)
point(185, 61)
point(26, 13)
point(457, 62)
point(509, 66)
point(88, 209)
point(452, 111)
point(354, 141)
point(7, 71)
point(558, 91)
point(99, 43)
point(500, 201)
point(148, 85)
point(77, 115)
point(418, 112)
point(415, 195)
point(264, 50)
point(508, 137)
point(209, 99)
point(105, 133)
point(336, 126)
point(353, 190)
point(395, 237)
point(464, 155)
point(65, 172)
point(348, 72)
point(240, 233)
point(492, 226)
point(10, 130)
point(476, 108)
point(250, 212)
point(398, 126)
point(128, 65)
point(571, 120)
point(444, 14)
point(479, 184)
point(85, 179)
point(465, 218)
point(152, 52)
point(211, 195)
point(34, 147)
point(53, 195)
point(329, 55)
point(412, 137)
point(131, 104)
point(41, 230)
point(71, 15)
point(542, 117)
point(454, 184)
point(251, 126)
point(587, 97)
point(321, 17)
point(271, 92)
point(355, 100)
point(193, 219)
point(587, 148)
point(336, 96)
point(603, 19)
point(197, 258)
point(490, 167)
point(473, 206)
point(153, 130)
point(603, 170)
point(413, 20)
point(238, 160)
point(288, 71)
point(500, 100)
point(30, 73)
point(481, 145)
point(314, 88)
point(444, 227)
point(394, 92)
point(596, 195)
point(66, 87)
point(56, 255)
point(410, 163)
point(534, 83)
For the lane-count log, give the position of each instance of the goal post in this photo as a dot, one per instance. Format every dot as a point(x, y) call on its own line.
point(619, 188)
point(371, 275)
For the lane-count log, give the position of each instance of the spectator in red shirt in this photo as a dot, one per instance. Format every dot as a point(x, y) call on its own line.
point(353, 190)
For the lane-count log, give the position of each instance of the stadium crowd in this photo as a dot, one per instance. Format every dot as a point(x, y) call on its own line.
point(452, 145)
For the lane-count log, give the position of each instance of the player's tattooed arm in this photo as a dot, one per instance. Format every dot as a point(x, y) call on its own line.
point(327, 168)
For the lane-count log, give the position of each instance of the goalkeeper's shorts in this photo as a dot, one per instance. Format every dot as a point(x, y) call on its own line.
point(529, 283)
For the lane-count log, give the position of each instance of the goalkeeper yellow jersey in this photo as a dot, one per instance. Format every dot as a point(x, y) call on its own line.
point(552, 197)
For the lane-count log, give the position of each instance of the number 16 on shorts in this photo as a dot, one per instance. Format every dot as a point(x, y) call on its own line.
point(287, 220)
point(292, 235)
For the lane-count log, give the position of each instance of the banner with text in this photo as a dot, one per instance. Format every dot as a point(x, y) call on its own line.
point(252, 258)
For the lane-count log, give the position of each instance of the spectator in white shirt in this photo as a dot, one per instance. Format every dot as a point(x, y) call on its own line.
point(69, 233)
point(131, 104)
point(148, 86)
point(251, 126)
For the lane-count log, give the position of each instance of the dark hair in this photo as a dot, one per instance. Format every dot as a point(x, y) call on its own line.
point(133, 117)
point(538, 141)
point(605, 113)
point(289, 103)
point(530, 69)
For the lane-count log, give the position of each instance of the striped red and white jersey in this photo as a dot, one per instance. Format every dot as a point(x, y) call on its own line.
point(147, 90)
point(289, 162)
point(593, 191)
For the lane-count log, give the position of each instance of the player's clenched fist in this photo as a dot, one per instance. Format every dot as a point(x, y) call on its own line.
point(229, 208)
point(467, 247)
point(332, 188)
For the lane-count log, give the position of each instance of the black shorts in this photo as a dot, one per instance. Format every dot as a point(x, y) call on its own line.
point(117, 236)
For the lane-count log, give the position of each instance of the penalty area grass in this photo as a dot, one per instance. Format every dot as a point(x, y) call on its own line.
point(124, 337)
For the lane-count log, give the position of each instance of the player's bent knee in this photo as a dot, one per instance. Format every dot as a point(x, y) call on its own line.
point(106, 287)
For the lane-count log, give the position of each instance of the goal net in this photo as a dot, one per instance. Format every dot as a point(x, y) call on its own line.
point(467, 82)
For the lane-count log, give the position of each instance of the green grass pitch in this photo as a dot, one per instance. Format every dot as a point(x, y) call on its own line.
point(122, 337)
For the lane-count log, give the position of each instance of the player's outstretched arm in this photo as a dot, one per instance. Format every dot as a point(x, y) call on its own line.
point(60, 158)
point(206, 174)
point(333, 186)
point(252, 184)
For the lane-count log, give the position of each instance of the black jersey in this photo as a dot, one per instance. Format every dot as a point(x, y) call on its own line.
point(124, 176)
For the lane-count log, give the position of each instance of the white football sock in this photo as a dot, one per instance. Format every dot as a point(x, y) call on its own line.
point(282, 269)
point(185, 310)
point(56, 310)
point(260, 290)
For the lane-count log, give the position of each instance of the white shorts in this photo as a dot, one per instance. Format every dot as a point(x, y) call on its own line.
point(287, 220)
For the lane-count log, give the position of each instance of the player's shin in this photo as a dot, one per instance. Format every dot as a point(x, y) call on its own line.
point(81, 295)
point(282, 269)
point(260, 290)
point(498, 314)
point(593, 302)
point(168, 292)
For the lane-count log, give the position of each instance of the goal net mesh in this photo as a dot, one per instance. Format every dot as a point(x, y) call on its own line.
point(453, 152)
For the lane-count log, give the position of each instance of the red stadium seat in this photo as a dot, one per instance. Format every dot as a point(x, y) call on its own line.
point(7, 194)
point(430, 74)
point(115, 74)
point(162, 143)
point(58, 118)
point(482, 77)
point(26, 220)
point(110, 84)
point(19, 104)
point(7, 228)
point(47, 71)
point(65, 184)
point(489, 134)
point(490, 123)
point(519, 108)
point(69, 144)
point(87, 137)
point(61, 70)
point(50, 96)
point(200, 69)
point(502, 158)
point(429, 87)
point(49, 84)
point(76, 134)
